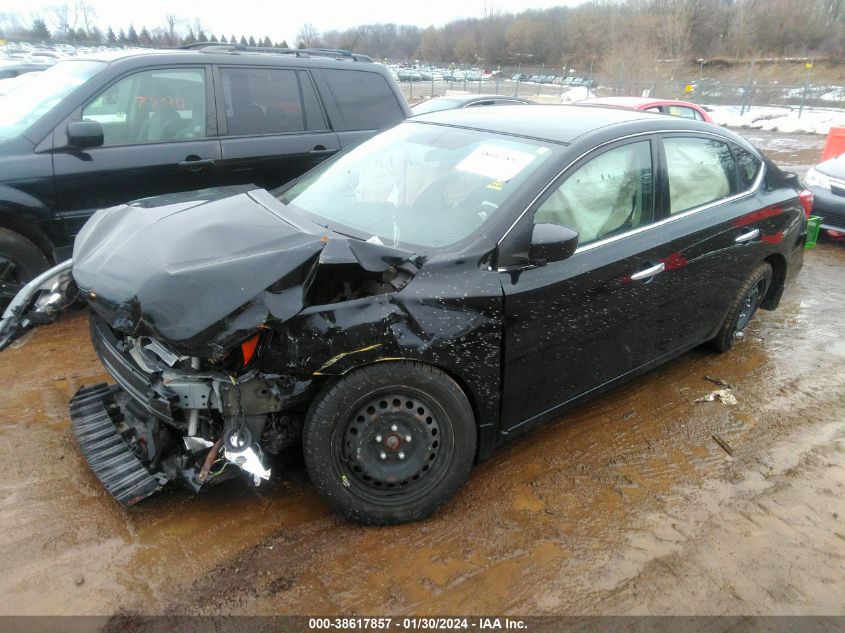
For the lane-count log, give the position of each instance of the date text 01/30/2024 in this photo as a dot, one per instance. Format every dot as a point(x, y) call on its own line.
point(423, 623)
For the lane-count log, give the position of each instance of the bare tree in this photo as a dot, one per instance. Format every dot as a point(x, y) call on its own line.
point(170, 33)
point(307, 35)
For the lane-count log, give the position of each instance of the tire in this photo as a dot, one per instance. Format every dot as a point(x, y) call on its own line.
point(751, 293)
point(20, 262)
point(356, 449)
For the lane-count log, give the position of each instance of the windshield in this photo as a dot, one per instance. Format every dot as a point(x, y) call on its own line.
point(418, 184)
point(433, 105)
point(34, 98)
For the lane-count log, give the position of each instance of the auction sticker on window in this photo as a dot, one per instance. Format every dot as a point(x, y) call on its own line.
point(497, 163)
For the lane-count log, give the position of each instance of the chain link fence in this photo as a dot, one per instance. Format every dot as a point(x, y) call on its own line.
point(548, 87)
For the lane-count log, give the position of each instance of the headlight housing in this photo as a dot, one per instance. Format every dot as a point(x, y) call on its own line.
point(817, 179)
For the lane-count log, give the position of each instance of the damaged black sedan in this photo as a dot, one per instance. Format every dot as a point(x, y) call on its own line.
point(404, 307)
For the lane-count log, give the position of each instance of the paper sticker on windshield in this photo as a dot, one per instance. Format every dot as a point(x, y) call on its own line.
point(499, 163)
point(496, 184)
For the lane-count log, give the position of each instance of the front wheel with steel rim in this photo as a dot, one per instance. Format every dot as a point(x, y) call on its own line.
point(389, 443)
point(751, 294)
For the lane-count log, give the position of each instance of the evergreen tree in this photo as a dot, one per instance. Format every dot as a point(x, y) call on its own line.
point(284, 44)
point(132, 36)
point(111, 38)
point(243, 40)
point(122, 40)
point(39, 30)
point(232, 40)
point(251, 41)
point(213, 39)
point(201, 36)
point(144, 38)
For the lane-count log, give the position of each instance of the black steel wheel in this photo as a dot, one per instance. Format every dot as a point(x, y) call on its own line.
point(389, 443)
point(20, 262)
point(744, 307)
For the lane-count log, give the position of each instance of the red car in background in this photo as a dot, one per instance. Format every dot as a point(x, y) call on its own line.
point(663, 106)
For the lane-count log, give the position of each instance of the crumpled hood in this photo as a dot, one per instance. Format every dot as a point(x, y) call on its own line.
point(204, 269)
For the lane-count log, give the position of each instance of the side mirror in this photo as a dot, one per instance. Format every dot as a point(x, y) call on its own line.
point(551, 243)
point(84, 134)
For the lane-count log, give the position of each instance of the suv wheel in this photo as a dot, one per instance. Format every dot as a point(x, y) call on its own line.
point(390, 442)
point(20, 261)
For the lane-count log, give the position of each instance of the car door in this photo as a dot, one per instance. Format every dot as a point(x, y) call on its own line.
point(574, 325)
point(272, 126)
point(158, 130)
point(718, 224)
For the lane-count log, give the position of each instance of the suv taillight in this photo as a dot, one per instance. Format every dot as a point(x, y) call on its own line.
point(806, 198)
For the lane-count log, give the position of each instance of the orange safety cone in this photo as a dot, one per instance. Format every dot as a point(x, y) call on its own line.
point(835, 143)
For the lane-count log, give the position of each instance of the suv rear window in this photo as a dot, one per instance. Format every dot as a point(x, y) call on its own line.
point(269, 101)
point(365, 99)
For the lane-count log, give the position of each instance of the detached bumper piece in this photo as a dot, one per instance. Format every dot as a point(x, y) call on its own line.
point(95, 414)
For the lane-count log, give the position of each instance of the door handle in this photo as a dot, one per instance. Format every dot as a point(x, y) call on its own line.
point(747, 237)
point(648, 272)
point(195, 163)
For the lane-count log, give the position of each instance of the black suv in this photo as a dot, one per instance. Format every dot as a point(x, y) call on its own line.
point(102, 130)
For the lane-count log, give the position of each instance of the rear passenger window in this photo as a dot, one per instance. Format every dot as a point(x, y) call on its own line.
point(365, 99)
point(610, 194)
point(268, 101)
point(700, 171)
point(749, 165)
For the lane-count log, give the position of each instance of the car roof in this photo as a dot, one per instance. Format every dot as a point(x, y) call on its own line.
point(474, 97)
point(555, 123)
point(223, 55)
point(631, 102)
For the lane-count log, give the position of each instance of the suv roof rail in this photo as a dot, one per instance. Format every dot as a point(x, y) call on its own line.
point(220, 47)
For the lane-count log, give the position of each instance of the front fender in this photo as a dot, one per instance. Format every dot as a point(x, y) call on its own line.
point(38, 302)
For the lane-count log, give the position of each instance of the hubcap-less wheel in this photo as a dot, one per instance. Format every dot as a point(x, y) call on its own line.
point(750, 304)
point(393, 440)
point(389, 442)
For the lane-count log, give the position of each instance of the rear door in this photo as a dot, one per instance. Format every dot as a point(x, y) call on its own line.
point(159, 129)
point(272, 126)
point(359, 102)
point(718, 225)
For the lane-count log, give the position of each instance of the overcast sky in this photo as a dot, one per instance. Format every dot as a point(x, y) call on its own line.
point(281, 19)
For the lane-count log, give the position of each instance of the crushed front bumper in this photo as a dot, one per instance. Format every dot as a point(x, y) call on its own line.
point(97, 419)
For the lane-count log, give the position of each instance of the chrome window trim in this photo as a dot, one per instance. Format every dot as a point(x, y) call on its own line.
point(613, 238)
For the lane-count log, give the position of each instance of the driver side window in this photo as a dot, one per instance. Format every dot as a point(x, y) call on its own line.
point(152, 106)
point(611, 193)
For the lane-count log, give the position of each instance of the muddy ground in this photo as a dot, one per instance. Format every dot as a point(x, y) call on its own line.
point(626, 505)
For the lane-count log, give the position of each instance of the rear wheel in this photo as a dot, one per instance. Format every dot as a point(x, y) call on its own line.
point(20, 262)
point(390, 442)
point(742, 310)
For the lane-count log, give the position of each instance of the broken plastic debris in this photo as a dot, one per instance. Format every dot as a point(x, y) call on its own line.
point(722, 395)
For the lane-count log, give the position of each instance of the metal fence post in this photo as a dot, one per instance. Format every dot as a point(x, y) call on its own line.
point(809, 68)
point(540, 77)
point(746, 105)
point(518, 75)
